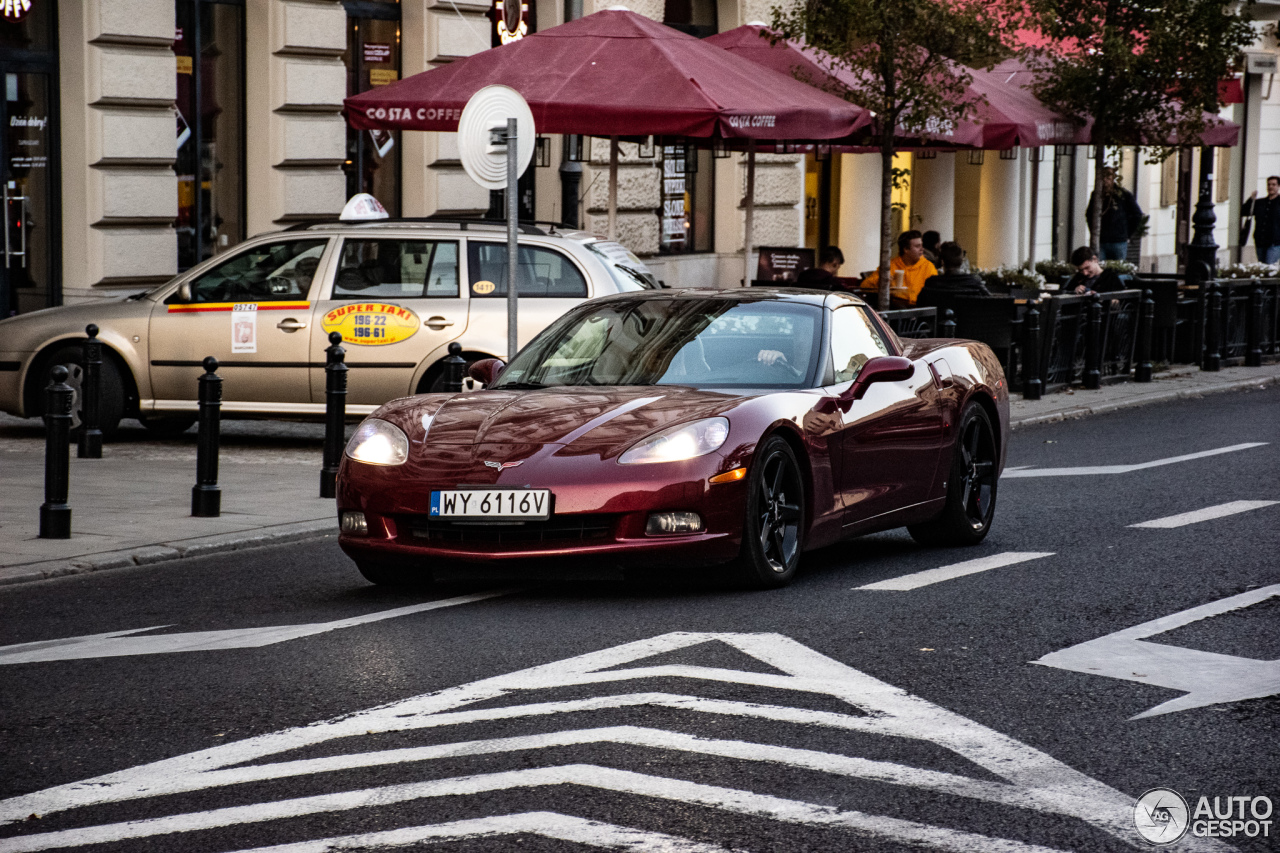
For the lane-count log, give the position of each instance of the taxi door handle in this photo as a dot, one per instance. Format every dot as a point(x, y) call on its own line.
point(290, 325)
point(437, 323)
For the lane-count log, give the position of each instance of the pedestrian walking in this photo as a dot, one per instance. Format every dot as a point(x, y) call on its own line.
point(1121, 217)
point(1266, 222)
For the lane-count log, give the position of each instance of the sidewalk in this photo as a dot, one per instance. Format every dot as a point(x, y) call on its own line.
point(132, 506)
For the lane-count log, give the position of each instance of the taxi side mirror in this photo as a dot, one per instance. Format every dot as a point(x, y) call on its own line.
point(884, 368)
point(184, 292)
point(486, 370)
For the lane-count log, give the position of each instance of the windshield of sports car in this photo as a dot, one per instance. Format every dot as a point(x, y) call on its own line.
point(704, 343)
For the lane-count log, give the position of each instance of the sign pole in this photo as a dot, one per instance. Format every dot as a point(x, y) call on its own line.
point(512, 245)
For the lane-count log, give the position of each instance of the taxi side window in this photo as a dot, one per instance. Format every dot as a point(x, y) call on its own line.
point(542, 272)
point(854, 342)
point(273, 272)
point(397, 269)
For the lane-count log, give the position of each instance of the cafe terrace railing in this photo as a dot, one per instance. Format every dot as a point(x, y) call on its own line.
point(1237, 320)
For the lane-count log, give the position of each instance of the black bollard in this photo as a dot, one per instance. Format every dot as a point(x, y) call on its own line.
point(948, 324)
point(454, 366)
point(90, 443)
point(1253, 354)
point(55, 514)
point(1213, 358)
point(335, 413)
point(1092, 379)
point(206, 497)
point(1146, 318)
point(1032, 387)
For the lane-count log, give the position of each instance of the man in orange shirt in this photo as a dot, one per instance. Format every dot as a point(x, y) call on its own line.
point(911, 261)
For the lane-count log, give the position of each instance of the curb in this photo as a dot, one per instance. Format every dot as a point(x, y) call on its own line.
point(1080, 411)
point(145, 555)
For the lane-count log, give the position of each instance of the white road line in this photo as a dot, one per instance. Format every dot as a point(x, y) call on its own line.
point(116, 644)
point(589, 833)
point(958, 570)
point(1024, 472)
point(586, 775)
point(1209, 513)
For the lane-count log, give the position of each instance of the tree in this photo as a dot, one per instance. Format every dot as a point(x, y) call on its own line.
point(1146, 73)
point(905, 61)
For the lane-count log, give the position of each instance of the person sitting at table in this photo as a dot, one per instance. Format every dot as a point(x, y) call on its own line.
point(911, 263)
point(939, 289)
point(823, 276)
point(1090, 275)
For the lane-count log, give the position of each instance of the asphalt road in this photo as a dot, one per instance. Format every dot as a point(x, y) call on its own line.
point(675, 715)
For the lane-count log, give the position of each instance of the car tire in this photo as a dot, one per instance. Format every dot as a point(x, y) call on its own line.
point(167, 426)
point(971, 486)
point(111, 404)
point(773, 530)
point(385, 574)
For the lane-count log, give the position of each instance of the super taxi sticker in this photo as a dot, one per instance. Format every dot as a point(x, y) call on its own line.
point(371, 324)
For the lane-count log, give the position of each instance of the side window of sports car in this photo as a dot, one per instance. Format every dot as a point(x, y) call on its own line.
point(272, 272)
point(854, 342)
point(397, 269)
point(541, 272)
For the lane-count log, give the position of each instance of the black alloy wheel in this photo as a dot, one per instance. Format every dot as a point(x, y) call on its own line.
point(773, 532)
point(971, 486)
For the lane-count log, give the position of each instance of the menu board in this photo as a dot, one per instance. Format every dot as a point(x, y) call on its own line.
point(675, 228)
point(783, 265)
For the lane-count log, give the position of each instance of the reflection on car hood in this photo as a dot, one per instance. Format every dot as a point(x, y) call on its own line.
point(586, 418)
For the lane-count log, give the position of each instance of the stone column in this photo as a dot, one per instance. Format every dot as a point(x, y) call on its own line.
point(999, 212)
point(933, 194)
point(119, 194)
point(858, 228)
point(294, 85)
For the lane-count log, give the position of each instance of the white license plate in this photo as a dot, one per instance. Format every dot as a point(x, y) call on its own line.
point(491, 503)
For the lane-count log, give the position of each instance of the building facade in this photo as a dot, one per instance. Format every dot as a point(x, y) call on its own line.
point(142, 137)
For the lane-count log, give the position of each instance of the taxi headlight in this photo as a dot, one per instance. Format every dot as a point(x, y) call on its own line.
point(685, 441)
point(378, 442)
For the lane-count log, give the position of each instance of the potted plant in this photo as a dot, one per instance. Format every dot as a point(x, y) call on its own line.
point(1004, 279)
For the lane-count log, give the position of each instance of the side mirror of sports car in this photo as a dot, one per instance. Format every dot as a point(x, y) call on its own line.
point(486, 370)
point(885, 368)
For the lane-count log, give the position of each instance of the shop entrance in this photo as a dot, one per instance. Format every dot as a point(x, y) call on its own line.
point(29, 190)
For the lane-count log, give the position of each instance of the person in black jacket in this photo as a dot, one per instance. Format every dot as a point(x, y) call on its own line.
point(823, 276)
point(938, 289)
point(1266, 221)
point(1121, 217)
point(1090, 275)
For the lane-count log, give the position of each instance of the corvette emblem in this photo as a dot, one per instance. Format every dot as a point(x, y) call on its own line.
point(502, 466)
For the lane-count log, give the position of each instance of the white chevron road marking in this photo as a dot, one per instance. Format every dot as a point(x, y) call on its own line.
point(1209, 513)
point(956, 570)
point(119, 643)
point(589, 833)
point(1032, 780)
point(1023, 472)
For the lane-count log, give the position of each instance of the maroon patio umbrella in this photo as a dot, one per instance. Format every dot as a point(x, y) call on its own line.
point(617, 73)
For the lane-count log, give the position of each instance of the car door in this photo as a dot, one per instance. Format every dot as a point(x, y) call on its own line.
point(395, 301)
point(548, 283)
point(251, 312)
point(891, 438)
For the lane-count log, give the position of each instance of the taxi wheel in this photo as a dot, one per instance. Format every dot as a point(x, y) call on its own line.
point(167, 426)
point(111, 404)
point(385, 574)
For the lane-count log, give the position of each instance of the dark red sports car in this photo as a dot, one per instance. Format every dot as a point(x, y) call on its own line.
point(684, 428)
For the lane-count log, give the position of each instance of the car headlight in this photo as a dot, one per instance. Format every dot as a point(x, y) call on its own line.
point(378, 442)
point(685, 441)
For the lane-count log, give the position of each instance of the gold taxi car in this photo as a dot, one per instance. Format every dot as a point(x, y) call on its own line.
point(399, 292)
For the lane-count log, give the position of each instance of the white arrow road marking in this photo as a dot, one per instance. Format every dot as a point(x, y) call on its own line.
point(1209, 513)
point(1031, 780)
point(1205, 677)
point(591, 833)
point(957, 570)
point(117, 643)
point(1021, 472)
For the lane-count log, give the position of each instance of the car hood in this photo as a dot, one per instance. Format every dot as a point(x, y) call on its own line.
point(597, 421)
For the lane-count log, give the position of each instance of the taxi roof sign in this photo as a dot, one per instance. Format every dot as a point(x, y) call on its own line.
point(362, 206)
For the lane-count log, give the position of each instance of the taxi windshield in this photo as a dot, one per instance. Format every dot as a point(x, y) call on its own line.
point(703, 343)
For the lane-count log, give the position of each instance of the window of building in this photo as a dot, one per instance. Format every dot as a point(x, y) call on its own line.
point(695, 17)
point(688, 200)
point(373, 59)
point(397, 269)
point(209, 49)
